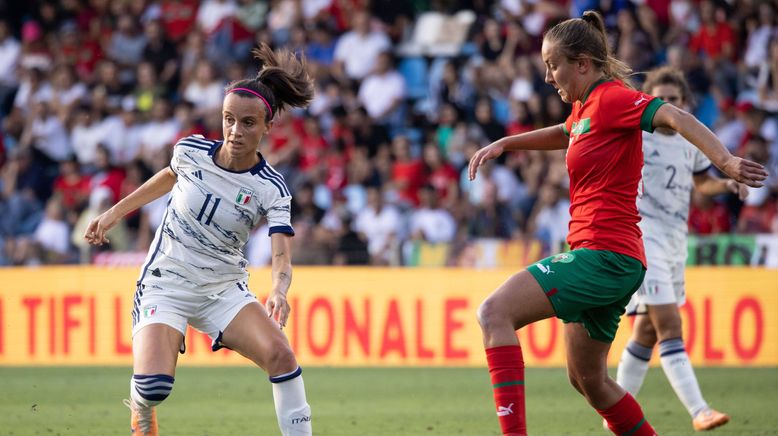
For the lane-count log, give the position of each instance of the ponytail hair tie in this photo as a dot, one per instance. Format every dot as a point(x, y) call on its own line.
point(255, 93)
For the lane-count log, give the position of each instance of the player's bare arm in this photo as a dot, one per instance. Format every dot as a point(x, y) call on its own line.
point(711, 185)
point(281, 265)
point(547, 138)
point(158, 185)
point(741, 170)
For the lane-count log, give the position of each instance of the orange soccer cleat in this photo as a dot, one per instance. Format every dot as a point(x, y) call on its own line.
point(709, 419)
point(143, 421)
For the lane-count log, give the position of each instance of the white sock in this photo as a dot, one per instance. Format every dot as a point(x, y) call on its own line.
point(292, 410)
point(633, 367)
point(679, 371)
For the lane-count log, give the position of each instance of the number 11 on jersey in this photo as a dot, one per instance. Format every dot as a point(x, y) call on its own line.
point(203, 210)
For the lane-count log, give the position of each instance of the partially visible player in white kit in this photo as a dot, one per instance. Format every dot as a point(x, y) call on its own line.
point(671, 167)
point(195, 272)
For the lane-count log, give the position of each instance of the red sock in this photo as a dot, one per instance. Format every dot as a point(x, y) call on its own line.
point(506, 367)
point(626, 418)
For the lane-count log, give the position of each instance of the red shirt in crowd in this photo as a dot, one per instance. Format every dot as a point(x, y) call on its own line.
point(712, 41)
point(442, 178)
point(74, 192)
point(714, 219)
point(604, 161)
point(178, 17)
point(758, 219)
point(408, 176)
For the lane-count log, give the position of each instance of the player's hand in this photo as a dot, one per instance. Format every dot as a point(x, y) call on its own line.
point(737, 188)
point(745, 171)
point(278, 308)
point(483, 155)
point(95, 232)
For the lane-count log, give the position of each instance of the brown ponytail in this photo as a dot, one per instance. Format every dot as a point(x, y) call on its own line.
point(585, 37)
point(282, 81)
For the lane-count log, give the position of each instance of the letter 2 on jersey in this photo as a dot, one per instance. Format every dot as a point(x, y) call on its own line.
point(209, 218)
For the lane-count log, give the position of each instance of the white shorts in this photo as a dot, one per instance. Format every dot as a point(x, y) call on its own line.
point(210, 314)
point(664, 284)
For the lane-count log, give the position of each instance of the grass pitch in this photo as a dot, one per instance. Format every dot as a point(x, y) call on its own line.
point(362, 401)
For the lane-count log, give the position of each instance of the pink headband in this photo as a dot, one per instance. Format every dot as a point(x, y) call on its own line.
point(269, 110)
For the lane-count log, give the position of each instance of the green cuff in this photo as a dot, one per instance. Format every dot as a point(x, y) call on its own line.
point(647, 119)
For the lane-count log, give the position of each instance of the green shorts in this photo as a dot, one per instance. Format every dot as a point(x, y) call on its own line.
point(590, 286)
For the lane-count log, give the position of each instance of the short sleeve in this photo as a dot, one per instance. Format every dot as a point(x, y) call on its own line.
point(626, 108)
point(197, 142)
point(568, 125)
point(701, 162)
point(175, 160)
point(279, 216)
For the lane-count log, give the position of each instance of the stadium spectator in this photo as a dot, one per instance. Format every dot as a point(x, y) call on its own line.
point(196, 266)
point(351, 246)
point(407, 172)
point(126, 46)
point(24, 186)
point(46, 133)
point(490, 218)
point(205, 90)
point(381, 224)
point(760, 30)
point(161, 53)
point(430, 222)
point(72, 188)
point(178, 18)
point(579, 66)
point(53, 234)
point(66, 91)
point(160, 132)
point(552, 217)
point(486, 128)
point(357, 50)
point(382, 93)
point(33, 88)
point(633, 45)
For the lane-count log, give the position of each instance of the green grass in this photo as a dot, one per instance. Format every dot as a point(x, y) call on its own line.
point(363, 401)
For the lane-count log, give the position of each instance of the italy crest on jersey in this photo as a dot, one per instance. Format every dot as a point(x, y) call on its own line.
point(244, 196)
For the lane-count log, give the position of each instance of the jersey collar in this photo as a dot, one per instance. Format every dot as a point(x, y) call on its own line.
point(253, 170)
point(591, 88)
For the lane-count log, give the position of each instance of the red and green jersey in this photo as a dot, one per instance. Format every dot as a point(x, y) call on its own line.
point(604, 161)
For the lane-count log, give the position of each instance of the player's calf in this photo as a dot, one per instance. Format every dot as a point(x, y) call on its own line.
point(292, 409)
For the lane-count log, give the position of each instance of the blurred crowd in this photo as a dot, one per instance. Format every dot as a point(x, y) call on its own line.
point(94, 93)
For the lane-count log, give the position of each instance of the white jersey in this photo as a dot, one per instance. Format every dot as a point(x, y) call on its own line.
point(209, 217)
point(670, 162)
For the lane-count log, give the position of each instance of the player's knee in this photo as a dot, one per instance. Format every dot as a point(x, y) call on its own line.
point(645, 335)
point(669, 329)
point(280, 359)
point(489, 314)
point(150, 390)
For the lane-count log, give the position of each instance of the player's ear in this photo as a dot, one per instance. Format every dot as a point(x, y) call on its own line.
point(269, 125)
point(583, 64)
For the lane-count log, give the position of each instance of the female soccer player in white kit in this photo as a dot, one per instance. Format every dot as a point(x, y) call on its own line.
point(671, 167)
point(195, 272)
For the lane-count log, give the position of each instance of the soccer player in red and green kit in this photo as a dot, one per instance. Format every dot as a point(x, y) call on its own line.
point(588, 287)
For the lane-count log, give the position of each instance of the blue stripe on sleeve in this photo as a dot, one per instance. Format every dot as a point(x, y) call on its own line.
point(272, 174)
point(281, 229)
